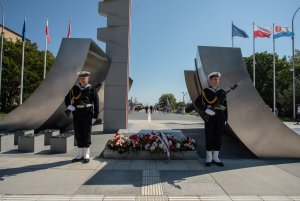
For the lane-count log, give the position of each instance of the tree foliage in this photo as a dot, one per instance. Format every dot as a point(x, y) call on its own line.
point(180, 105)
point(264, 79)
point(166, 99)
point(11, 72)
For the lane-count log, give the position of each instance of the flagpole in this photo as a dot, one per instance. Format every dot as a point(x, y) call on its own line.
point(232, 34)
point(1, 54)
point(293, 65)
point(253, 56)
point(274, 74)
point(22, 67)
point(45, 58)
point(22, 73)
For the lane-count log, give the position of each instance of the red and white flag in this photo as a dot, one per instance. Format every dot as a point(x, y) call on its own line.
point(262, 32)
point(47, 32)
point(69, 28)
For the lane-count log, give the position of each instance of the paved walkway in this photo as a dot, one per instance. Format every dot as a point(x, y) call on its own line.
point(44, 176)
point(57, 176)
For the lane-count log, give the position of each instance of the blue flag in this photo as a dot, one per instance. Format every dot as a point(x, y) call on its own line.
point(238, 32)
point(24, 29)
point(281, 31)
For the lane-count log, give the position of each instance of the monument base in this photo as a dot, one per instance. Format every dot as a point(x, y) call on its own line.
point(145, 155)
point(120, 142)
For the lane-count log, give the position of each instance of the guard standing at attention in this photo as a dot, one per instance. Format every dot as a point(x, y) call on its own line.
point(83, 102)
point(212, 102)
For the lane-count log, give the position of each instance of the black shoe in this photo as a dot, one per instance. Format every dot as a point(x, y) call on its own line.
point(218, 163)
point(86, 160)
point(76, 160)
point(208, 164)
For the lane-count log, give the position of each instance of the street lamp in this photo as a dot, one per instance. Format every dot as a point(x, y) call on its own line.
point(183, 95)
point(1, 54)
point(293, 65)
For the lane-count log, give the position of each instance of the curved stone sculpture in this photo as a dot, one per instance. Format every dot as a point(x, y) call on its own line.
point(192, 85)
point(44, 109)
point(249, 117)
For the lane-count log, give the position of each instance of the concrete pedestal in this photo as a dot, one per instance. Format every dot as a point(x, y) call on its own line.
point(31, 143)
point(145, 155)
point(62, 143)
point(48, 134)
point(6, 142)
point(17, 134)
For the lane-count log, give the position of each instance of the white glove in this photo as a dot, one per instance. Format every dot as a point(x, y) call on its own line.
point(71, 107)
point(210, 112)
point(93, 120)
point(225, 123)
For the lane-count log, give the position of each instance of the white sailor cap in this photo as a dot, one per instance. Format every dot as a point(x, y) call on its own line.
point(83, 73)
point(214, 74)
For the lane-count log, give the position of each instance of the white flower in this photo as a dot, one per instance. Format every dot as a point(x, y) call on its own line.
point(147, 146)
point(161, 146)
point(152, 148)
point(178, 145)
point(170, 142)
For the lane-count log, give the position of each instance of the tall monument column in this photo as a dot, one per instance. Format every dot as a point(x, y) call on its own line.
point(117, 38)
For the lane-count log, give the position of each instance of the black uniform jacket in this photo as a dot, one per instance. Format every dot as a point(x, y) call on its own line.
point(83, 96)
point(212, 99)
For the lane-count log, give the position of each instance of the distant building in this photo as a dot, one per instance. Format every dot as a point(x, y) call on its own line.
point(11, 35)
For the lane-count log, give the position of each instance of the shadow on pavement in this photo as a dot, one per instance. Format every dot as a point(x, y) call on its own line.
point(8, 172)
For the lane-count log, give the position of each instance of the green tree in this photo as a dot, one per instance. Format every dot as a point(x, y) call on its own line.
point(166, 99)
point(297, 75)
point(190, 107)
point(11, 72)
point(180, 105)
point(264, 80)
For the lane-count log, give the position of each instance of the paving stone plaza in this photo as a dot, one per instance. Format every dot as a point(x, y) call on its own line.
point(138, 155)
point(46, 176)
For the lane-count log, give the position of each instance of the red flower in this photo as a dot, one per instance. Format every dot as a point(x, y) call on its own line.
point(172, 147)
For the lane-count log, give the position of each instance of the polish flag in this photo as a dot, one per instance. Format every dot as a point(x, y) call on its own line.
point(69, 28)
point(261, 32)
point(47, 32)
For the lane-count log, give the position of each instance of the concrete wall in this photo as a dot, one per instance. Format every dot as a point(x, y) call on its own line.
point(117, 38)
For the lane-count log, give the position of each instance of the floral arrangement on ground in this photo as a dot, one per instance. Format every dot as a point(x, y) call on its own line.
point(154, 142)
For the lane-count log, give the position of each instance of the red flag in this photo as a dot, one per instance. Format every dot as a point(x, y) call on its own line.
point(47, 32)
point(69, 28)
point(261, 32)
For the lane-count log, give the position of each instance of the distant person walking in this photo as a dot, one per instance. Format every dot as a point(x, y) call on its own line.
point(146, 109)
point(212, 102)
point(151, 108)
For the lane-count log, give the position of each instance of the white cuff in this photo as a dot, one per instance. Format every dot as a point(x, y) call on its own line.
point(210, 112)
point(93, 120)
point(71, 107)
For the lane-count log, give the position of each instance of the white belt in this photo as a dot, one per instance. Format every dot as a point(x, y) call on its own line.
point(83, 106)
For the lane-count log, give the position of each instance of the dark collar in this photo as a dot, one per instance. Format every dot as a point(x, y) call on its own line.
point(81, 88)
point(214, 90)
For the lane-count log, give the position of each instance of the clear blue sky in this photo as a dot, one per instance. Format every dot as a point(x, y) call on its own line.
point(164, 33)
